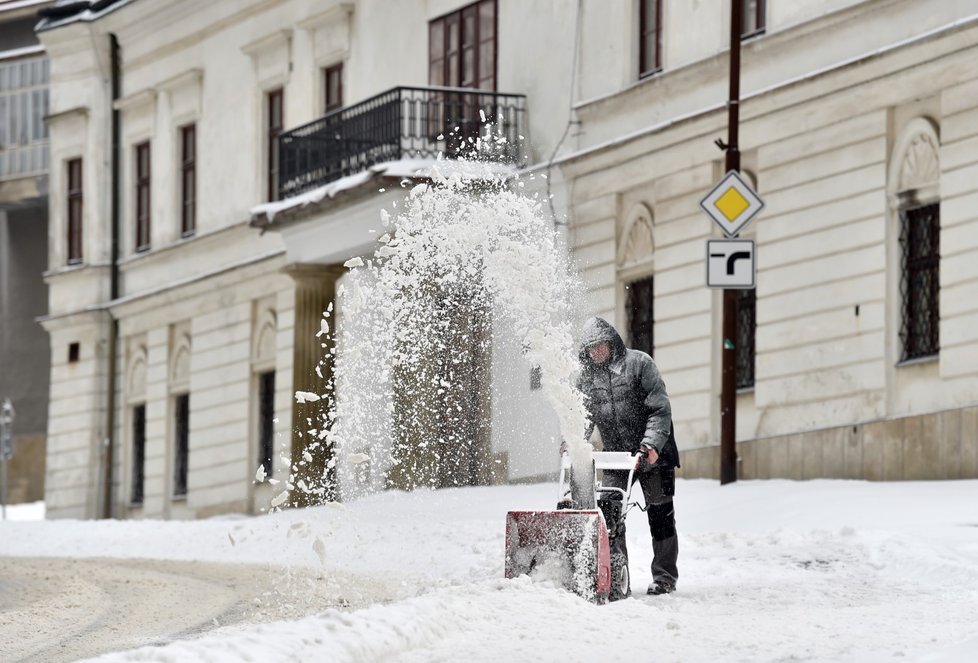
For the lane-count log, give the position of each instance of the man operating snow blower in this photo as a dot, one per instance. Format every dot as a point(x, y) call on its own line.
point(627, 401)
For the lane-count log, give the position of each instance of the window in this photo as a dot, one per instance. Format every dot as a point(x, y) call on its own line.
point(188, 180)
point(273, 129)
point(138, 452)
point(745, 344)
point(641, 320)
point(754, 17)
point(23, 105)
point(74, 352)
point(181, 420)
point(142, 197)
point(333, 87)
point(74, 211)
point(266, 419)
point(649, 37)
point(920, 235)
point(462, 47)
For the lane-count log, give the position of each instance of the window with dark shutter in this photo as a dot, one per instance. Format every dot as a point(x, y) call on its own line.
point(74, 196)
point(640, 313)
point(142, 197)
point(266, 419)
point(188, 180)
point(181, 421)
point(649, 37)
point(920, 248)
point(273, 128)
point(138, 452)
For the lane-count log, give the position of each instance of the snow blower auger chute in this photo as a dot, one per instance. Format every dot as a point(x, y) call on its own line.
point(572, 545)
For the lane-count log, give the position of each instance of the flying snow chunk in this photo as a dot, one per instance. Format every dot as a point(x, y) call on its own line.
point(306, 397)
point(323, 328)
point(357, 459)
point(353, 262)
point(260, 474)
point(279, 499)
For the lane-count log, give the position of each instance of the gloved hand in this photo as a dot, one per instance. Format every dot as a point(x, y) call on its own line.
point(646, 456)
point(563, 447)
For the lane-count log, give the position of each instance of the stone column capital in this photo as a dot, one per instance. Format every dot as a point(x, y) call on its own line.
point(302, 272)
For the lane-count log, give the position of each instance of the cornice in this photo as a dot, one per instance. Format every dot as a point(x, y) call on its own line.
point(187, 78)
point(267, 43)
point(135, 100)
point(334, 14)
point(65, 114)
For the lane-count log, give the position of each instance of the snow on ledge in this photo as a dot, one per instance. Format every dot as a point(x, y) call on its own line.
point(414, 168)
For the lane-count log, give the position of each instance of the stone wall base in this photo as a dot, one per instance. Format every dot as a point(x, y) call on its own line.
point(942, 445)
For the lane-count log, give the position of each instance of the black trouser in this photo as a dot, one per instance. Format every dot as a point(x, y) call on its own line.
point(658, 487)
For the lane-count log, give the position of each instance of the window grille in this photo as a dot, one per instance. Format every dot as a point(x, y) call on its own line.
point(746, 328)
point(138, 452)
point(266, 416)
point(920, 236)
point(641, 317)
point(23, 105)
point(181, 416)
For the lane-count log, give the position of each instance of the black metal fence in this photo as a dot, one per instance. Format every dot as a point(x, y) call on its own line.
point(402, 123)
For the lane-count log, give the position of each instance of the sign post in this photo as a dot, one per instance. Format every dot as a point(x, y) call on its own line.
point(6, 449)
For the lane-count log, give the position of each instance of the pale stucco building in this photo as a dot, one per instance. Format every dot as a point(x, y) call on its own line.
point(858, 119)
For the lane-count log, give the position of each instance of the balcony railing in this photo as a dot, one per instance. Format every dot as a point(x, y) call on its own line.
point(402, 123)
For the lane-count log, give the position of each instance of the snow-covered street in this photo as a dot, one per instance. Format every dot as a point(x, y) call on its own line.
point(770, 570)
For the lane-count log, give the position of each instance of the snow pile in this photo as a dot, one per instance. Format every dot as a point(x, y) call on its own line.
point(769, 570)
point(468, 263)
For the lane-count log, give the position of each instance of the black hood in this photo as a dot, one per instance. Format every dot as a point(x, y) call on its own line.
point(596, 330)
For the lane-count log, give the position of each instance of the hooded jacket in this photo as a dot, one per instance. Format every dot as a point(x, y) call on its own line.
point(626, 397)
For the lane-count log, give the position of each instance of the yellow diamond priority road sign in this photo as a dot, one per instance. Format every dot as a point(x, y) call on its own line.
point(732, 203)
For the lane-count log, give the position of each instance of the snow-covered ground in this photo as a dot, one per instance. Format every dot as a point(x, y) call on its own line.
point(770, 570)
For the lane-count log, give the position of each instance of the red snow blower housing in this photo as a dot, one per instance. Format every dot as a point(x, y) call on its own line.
point(571, 546)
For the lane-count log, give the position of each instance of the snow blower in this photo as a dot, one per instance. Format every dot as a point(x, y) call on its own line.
point(572, 546)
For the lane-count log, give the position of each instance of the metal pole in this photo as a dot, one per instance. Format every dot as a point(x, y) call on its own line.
point(728, 381)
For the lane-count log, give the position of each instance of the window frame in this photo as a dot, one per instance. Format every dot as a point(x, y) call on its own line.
point(181, 445)
point(481, 36)
point(631, 293)
point(137, 488)
point(266, 420)
point(913, 347)
point(188, 172)
point(759, 19)
point(644, 68)
point(74, 198)
point(143, 204)
point(746, 344)
point(274, 126)
point(330, 104)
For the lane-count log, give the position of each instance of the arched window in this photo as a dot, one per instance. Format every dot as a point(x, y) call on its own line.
point(635, 267)
point(914, 187)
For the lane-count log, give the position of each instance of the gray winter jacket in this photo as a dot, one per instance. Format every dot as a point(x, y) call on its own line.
point(626, 397)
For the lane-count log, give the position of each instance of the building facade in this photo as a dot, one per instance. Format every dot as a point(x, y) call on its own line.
point(857, 354)
point(230, 156)
point(24, 350)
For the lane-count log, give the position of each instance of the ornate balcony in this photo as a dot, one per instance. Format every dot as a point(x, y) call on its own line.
point(401, 123)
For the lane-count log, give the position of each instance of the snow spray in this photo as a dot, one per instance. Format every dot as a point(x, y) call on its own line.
point(467, 257)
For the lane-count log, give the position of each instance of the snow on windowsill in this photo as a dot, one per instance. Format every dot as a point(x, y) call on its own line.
point(405, 168)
